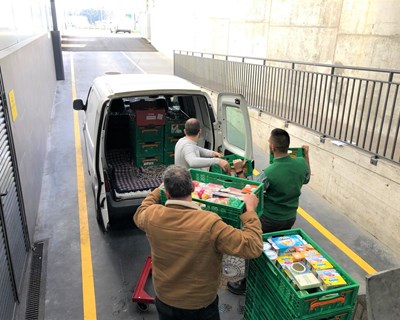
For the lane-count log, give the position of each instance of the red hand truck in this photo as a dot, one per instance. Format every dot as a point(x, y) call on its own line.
point(140, 296)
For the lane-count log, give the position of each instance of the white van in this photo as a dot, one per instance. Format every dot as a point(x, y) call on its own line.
point(132, 122)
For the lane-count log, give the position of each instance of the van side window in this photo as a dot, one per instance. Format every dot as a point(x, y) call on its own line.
point(236, 131)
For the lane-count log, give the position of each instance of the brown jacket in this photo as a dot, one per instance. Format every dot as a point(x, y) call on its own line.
point(187, 245)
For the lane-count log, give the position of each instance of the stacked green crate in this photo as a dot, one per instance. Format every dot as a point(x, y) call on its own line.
point(173, 131)
point(148, 144)
point(229, 214)
point(269, 291)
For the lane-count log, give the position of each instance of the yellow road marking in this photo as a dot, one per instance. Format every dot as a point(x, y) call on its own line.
point(89, 299)
point(350, 253)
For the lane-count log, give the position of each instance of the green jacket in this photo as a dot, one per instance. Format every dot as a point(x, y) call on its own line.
point(283, 180)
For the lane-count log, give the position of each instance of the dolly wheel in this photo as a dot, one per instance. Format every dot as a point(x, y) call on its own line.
point(143, 306)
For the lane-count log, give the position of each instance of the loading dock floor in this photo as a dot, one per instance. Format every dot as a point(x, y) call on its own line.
point(117, 257)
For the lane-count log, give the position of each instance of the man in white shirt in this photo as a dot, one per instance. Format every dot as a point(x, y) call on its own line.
point(189, 155)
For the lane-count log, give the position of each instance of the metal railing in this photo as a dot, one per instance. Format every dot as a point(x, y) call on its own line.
point(358, 106)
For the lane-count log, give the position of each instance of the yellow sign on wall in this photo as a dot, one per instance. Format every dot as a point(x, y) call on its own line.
point(13, 105)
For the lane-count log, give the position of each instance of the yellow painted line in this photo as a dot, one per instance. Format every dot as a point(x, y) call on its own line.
point(350, 253)
point(89, 299)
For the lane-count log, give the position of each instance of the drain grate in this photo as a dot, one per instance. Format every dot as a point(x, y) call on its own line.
point(33, 310)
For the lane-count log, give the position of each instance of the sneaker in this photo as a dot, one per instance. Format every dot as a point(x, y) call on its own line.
point(237, 287)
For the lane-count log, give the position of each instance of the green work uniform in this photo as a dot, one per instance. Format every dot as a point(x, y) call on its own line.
point(283, 180)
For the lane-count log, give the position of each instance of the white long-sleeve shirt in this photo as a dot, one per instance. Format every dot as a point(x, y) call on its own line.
point(189, 155)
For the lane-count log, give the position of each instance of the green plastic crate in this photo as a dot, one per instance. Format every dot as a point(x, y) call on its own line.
point(147, 133)
point(265, 273)
point(144, 161)
point(169, 158)
point(228, 214)
point(148, 148)
point(247, 170)
point(175, 127)
point(261, 301)
point(293, 152)
point(170, 143)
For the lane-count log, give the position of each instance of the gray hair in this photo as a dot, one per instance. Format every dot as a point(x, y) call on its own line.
point(177, 182)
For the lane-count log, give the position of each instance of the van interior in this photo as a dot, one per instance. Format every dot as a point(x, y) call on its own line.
point(140, 137)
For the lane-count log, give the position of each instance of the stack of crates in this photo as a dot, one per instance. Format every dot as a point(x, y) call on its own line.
point(270, 295)
point(148, 143)
point(174, 130)
point(230, 215)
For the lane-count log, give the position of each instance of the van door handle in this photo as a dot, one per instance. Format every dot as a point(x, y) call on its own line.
point(3, 194)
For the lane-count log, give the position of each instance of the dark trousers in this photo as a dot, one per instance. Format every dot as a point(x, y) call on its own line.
point(167, 312)
point(269, 225)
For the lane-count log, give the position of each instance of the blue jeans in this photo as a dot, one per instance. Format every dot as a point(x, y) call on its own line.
point(167, 312)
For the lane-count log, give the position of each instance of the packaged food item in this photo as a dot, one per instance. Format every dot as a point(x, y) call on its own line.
point(306, 281)
point(234, 191)
point(330, 278)
point(287, 244)
point(303, 248)
point(214, 187)
point(271, 254)
point(284, 260)
point(249, 188)
point(318, 262)
point(267, 246)
point(300, 256)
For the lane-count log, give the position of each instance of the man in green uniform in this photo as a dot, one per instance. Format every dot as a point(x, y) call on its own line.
point(282, 180)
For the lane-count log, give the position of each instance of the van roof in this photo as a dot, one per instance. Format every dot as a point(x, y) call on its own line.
point(133, 84)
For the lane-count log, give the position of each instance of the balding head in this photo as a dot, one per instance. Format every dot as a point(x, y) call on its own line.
point(192, 127)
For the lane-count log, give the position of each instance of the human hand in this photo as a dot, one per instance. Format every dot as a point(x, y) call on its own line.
point(216, 154)
point(224, 165)
point(239, 164)
point(251, 201)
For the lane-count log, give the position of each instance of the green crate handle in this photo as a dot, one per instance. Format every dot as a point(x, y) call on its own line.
point(322, 301)
point(149, 145)
point(272, 269)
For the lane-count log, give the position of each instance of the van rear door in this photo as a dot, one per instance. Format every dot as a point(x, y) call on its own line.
point(234, 125)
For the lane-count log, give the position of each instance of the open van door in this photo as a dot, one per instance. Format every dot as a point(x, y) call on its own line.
point(234, 124)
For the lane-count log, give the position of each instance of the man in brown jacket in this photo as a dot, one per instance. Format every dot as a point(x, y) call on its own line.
point(187, 245)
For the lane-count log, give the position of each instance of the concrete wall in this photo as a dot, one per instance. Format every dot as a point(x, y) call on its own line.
point(347, 32)
point(28, 70)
